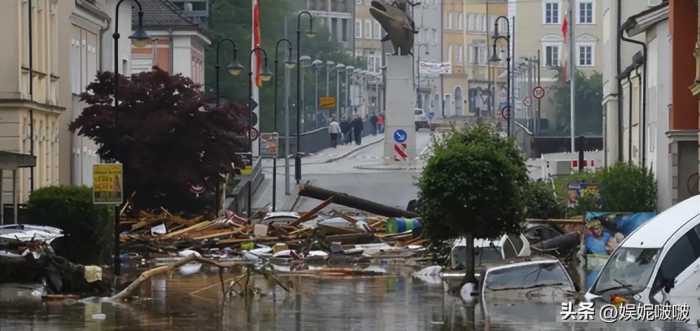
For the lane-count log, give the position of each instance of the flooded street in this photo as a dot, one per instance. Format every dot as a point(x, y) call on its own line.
point(394, 301)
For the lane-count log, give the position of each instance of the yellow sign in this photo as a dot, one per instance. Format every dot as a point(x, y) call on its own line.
point(107, 186)
point(326, 102)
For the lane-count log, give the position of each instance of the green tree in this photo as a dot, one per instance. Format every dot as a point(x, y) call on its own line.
point(628, 188)
point(541, 201)
point(589, 109)
point(473, 187)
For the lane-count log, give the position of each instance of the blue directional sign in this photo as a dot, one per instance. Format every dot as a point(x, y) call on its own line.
point(400, 136)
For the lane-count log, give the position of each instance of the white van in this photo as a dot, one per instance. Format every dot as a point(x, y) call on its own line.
point(658, 263)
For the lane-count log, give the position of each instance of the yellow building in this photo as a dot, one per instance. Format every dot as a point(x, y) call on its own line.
point(466, 44)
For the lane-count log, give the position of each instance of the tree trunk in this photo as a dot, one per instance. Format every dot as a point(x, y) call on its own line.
point(469, 276)
point(347, 200)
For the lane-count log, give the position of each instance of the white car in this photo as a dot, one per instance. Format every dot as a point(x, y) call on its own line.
point(658, 263)
point(421, 119)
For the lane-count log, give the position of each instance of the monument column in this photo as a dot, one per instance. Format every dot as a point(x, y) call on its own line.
point(399, 133)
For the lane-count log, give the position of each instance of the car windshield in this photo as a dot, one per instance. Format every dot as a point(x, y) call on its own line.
point(418, 112)
point(628, 269)
point(527, 276)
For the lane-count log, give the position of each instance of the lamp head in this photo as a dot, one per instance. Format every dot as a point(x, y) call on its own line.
point(139, 38)
point(234, 69)
point(266, 75)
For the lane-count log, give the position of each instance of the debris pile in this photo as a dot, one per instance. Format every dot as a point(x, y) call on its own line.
point(319, 234)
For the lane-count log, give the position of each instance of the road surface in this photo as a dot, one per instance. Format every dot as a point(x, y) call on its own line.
point(390, 187)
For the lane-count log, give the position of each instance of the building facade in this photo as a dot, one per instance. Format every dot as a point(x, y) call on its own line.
point(338, 16)
point(427, 50)
point(467, 29)
point(48, 100)
point(176, 42)
point(538, 27)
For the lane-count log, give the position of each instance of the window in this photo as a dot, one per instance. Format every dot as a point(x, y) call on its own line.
point(551, 56)
point(449, 20)
point(345, 30)
point(460, 21)
point(358, 29)
point(460, 53)
point(551, 12)
point(368, 29)
point(83, 54)
point(585, 55)
point(683, 253)
point(377, 31)
point(585, 12)
point(467, 22)
point(449, 54)
point(141, 63)
point(474, 54)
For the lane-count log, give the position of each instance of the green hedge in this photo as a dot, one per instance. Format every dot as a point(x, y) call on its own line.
point(88, 227)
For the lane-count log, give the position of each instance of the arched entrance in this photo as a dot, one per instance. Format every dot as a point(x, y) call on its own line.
point(459, 102)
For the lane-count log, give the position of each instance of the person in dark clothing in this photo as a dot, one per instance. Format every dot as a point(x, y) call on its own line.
point(357, 127)
point(345, 128)
point(373, 121)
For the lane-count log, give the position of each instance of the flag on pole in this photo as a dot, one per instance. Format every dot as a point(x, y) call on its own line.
point(565, 55)
point(256, 42)
point(255, 64)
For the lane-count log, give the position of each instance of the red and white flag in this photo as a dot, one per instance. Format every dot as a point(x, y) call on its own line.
point(565, 55)
point(256, 60)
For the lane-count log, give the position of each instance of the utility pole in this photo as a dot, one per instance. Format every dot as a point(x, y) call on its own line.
point(287, 72)
point(572, 75)
point(539, 100)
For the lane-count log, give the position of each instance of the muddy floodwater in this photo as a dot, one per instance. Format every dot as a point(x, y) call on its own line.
point(394, 301)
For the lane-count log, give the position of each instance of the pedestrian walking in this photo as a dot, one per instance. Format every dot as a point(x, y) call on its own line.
point(334, 131)
point(380, 123)
point(345, 129)
point(357, 126)
point(373, 121)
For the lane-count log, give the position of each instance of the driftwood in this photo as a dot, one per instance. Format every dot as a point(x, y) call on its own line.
point(146, 275)
point(347, 200)
point(312, 213)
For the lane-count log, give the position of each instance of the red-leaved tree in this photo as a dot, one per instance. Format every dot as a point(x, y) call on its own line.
point(166, 135)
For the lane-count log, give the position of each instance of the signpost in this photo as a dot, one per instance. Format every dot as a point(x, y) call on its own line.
point(108, 189)
point(538, 92)
point(108, 185)
point(326, 102)
point(270, 144)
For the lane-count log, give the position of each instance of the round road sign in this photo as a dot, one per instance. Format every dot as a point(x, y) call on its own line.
point(538, 92)
point(400, 136)
point(253, 133)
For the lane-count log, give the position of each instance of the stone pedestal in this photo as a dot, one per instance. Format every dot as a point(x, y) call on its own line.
point(400, 131)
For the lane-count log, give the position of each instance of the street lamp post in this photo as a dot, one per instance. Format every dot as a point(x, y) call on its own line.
point(265, 76)
point(310, 34)
point(139, 36)
point(348, 102)
point(317, 64)
point(494, 58)
point(329, 65)
point(234, 68)
point(338, 68)
point(289, 64)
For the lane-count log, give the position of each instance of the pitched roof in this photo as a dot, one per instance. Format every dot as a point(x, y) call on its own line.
point(163, 14)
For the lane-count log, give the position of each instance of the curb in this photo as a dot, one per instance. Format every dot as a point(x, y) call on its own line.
point(353, 151)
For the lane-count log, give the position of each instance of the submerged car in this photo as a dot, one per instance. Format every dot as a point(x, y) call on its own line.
point(537, 280)
point(658, 263)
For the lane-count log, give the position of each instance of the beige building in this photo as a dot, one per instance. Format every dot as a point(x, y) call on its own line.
point(467, 45)
point(538, 26)
point(50, 96)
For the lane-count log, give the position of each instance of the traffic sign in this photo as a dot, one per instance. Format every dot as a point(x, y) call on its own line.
point(538, 92)
point(400, 135)
point(252, 104)
point(527, 102)
point(253, 133)
point(107, 184)
point(326, 102)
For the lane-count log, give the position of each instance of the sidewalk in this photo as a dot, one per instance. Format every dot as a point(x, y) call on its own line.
point(329, 155)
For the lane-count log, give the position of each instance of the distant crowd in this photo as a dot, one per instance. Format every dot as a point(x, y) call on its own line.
point(348, 130)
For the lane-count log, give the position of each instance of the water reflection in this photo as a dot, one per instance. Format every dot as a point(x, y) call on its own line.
point(394, 301)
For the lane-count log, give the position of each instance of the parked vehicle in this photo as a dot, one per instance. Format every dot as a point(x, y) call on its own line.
point(280, 217)
point(421, 119)
point(489, 251)
point(658, 263)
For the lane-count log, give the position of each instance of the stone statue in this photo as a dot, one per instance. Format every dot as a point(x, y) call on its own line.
point(398, 25)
